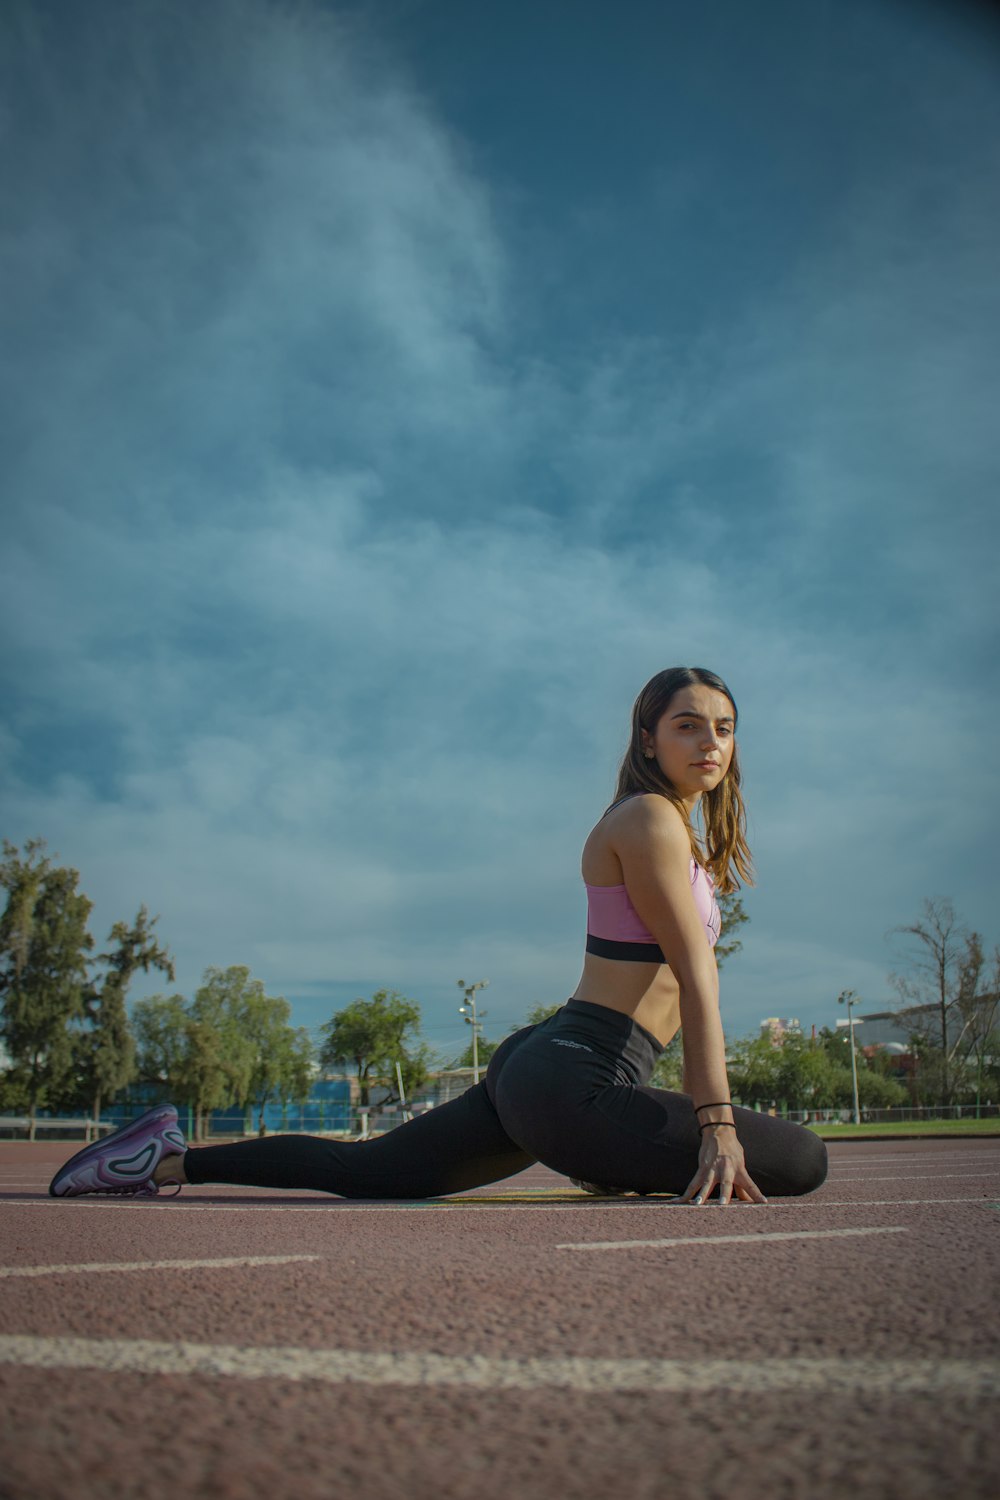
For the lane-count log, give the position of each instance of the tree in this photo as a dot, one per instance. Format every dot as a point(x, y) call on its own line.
point(415, 1067)
point(669, 1070)
point(281, 1056)
point(265, 1025)
point(752, 1066)
point(110, 1043)
point(877, 1090)
point(182, 1054)
point(296, 1077)
point(539, 1013)
point(160, 1028)
point(979, 1011)
point(806, 1077)
point(44, 944)
point(836, 1043)
point(220, 1055)
point(945, 969)
point(805, 1074)
point(374, 1035)
point(486, 1051)
point(204, 1053)
point(733, 916)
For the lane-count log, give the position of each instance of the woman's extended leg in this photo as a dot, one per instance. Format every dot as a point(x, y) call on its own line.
point(456, 1146)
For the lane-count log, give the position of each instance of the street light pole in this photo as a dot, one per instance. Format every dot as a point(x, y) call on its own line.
point(849, 998)
point(468, 1010)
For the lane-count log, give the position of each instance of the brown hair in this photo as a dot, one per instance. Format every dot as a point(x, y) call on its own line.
point(722, 810)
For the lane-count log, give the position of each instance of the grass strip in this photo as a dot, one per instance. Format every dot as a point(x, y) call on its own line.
point(905, 1129)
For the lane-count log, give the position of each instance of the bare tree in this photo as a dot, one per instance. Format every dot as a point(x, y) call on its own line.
point(942, 968)
point(978, 1008)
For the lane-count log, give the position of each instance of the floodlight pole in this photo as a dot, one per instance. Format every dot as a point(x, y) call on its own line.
point(468, 1009)
point(849, 998)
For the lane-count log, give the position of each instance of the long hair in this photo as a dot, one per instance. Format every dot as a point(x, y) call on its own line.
point(722, 811)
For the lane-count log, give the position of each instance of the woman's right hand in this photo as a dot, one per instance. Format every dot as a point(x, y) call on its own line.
point(721, 1164)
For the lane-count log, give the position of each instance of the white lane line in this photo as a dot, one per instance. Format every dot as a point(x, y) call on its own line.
point(965, 1170)
point(891, 1377)
point(989, 1164)
point(814, 1203)
point(868, 1202)
point(452, 1206)
point(99, 1267)
point(952, 1154)
point(917, 1177)
point(337, 1205)
point(964, 1377)
point(918, 1156)
point(728, 1239)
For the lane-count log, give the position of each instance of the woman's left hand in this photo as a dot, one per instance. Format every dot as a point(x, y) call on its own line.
point(721, 1164)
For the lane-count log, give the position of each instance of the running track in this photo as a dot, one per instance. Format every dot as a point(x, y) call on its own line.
point(524, 1342)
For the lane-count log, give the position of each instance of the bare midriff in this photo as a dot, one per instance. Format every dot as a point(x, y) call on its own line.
point(649, 993)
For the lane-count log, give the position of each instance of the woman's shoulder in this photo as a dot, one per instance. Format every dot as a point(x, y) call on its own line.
point(645, 829)
point(646, 815)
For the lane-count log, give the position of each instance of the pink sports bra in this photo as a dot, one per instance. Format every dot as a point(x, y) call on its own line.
point(616, 930)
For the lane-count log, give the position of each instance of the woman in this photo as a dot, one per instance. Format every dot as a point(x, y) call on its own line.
point(571, 1092)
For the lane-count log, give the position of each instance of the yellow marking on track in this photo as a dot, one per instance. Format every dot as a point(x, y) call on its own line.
point(545, 1196)
point(585, 1203)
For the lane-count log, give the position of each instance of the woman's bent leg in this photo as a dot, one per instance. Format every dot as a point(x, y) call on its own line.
point(661, 1129)
point(572, 1118)
point(456, 1146)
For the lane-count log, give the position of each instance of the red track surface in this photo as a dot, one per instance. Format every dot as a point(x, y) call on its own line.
point(472, 1348)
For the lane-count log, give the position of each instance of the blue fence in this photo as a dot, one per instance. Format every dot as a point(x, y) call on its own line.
point(328, 1108)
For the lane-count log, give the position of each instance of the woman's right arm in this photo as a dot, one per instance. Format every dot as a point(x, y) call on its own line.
point(653, 846)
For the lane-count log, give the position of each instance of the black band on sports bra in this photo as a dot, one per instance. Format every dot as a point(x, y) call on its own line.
point(638, 953)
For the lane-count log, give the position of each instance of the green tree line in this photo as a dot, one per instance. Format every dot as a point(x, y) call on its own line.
point(231, 1044)
point(64, 1021)
point(71, 1045)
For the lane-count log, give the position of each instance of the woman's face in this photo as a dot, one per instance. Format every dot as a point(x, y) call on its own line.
point(693, 742)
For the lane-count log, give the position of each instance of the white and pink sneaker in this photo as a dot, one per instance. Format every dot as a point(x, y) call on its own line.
point(124, 1162)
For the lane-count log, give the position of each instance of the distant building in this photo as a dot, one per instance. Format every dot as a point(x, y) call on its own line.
point(882, 1028)
point(891, 1028)
point(778, 1027)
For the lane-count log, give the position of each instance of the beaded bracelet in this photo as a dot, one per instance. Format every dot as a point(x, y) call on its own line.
point(714, 1125)
point(719, 1104)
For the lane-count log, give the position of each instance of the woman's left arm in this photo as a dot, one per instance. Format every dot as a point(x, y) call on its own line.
point(654, 850)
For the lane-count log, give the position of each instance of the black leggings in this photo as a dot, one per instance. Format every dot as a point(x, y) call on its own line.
point(570, 1092)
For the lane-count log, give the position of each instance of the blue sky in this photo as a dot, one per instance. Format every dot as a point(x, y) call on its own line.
point(388, 390)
